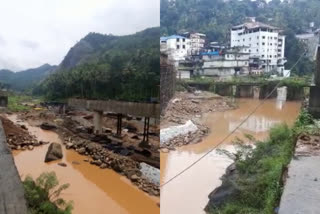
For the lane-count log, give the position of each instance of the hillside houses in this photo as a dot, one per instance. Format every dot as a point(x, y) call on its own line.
point(254, 48)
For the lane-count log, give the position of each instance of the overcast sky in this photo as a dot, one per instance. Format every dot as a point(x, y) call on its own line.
point(35, 32)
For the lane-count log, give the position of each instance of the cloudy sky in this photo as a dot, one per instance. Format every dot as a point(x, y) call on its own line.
point(35, 32)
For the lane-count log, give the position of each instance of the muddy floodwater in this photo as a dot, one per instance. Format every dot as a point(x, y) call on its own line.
point(188, 194)
point(92, 190)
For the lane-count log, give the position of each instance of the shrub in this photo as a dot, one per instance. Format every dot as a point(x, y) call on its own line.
point(42, 195)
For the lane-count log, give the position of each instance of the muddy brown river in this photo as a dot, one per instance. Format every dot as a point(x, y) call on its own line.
point(188, 194)
point(92, 190)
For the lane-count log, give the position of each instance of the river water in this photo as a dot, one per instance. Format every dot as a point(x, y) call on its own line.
point(92, 190)
point(188, 194)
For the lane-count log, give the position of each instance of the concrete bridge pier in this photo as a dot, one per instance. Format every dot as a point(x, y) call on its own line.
point(119, 124)
point(146, 129)
point(97, 121)
point(282, 93)
point(256, 92)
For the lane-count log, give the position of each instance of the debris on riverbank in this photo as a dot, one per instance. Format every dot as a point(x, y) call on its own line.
point(185, 107)
point(18, 137)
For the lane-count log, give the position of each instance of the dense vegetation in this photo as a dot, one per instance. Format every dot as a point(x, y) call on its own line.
point(24, 80)
point(215, 18)
point(42, 195)
point(259, 179)
point(108, 67)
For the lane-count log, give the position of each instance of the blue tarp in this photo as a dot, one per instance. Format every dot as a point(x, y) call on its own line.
point(212, 53)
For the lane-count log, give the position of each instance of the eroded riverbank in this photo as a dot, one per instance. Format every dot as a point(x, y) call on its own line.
point(92, 189)
point(189, 193)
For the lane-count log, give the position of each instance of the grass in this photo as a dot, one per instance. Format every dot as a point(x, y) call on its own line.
point(15, 102)
point(259, 182)
point(42, 195)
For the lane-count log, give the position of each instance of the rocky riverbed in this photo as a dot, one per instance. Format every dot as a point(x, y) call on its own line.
point(104, 151)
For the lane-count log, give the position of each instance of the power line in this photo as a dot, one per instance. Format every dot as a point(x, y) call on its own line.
point(233, 131)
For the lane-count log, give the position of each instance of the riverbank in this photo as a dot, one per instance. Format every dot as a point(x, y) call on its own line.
point(176, 131)
point(254, 182)
point(195, 185)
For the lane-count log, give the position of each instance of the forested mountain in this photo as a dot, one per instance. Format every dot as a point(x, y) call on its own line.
point(24, 80)
point(108, 67)
point(216, 17)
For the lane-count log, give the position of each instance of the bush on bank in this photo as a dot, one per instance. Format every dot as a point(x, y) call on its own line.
point(259, 181)
point(42, 195)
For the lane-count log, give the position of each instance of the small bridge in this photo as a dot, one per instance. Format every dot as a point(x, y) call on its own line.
point(12, 200)
point(146, 110)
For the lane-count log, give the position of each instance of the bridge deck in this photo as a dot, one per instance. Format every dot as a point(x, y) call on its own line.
point(12, 199)
point(131, 108)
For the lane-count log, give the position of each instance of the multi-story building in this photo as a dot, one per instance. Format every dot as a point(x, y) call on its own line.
point(197, 42)
point(226, 63)
point(177, 47)
point(265, 44)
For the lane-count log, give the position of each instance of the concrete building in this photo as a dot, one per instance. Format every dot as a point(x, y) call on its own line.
point(177, 47)
point(265, 43)
point(227, 63)
point(197, 42)
point(311, 41)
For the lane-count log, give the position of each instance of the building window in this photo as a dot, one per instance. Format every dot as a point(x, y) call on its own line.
point(257, 50)
point(263, 37)
point(262, 56)
point(263, 43)
point(178, 46)
point(178, 39)
point(270, 44)
point(257, 37)
point(275, 56)
point(183, 47)
point(244, 39)
point(183, 39)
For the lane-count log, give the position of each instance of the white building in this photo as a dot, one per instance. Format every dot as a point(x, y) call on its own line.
point(232, 62)
point(264, 42)
point(197, 42)
point(177, 47)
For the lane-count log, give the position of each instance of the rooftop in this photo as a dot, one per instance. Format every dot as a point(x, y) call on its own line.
point(254, 25)
point(165, 38)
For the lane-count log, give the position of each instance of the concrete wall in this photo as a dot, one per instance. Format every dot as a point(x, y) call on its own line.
point(131, 108)
point(12, 199)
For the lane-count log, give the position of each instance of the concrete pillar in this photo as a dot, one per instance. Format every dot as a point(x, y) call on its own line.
point(97, 122)
point(234, 90)
point(256, 92)
point(282, 93)
point(314, 101)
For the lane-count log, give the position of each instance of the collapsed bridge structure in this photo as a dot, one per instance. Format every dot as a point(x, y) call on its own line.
point(146, 110)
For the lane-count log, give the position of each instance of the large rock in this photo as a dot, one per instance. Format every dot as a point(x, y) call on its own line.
point(54, 152)
point(227, 189)
point(47, 126)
